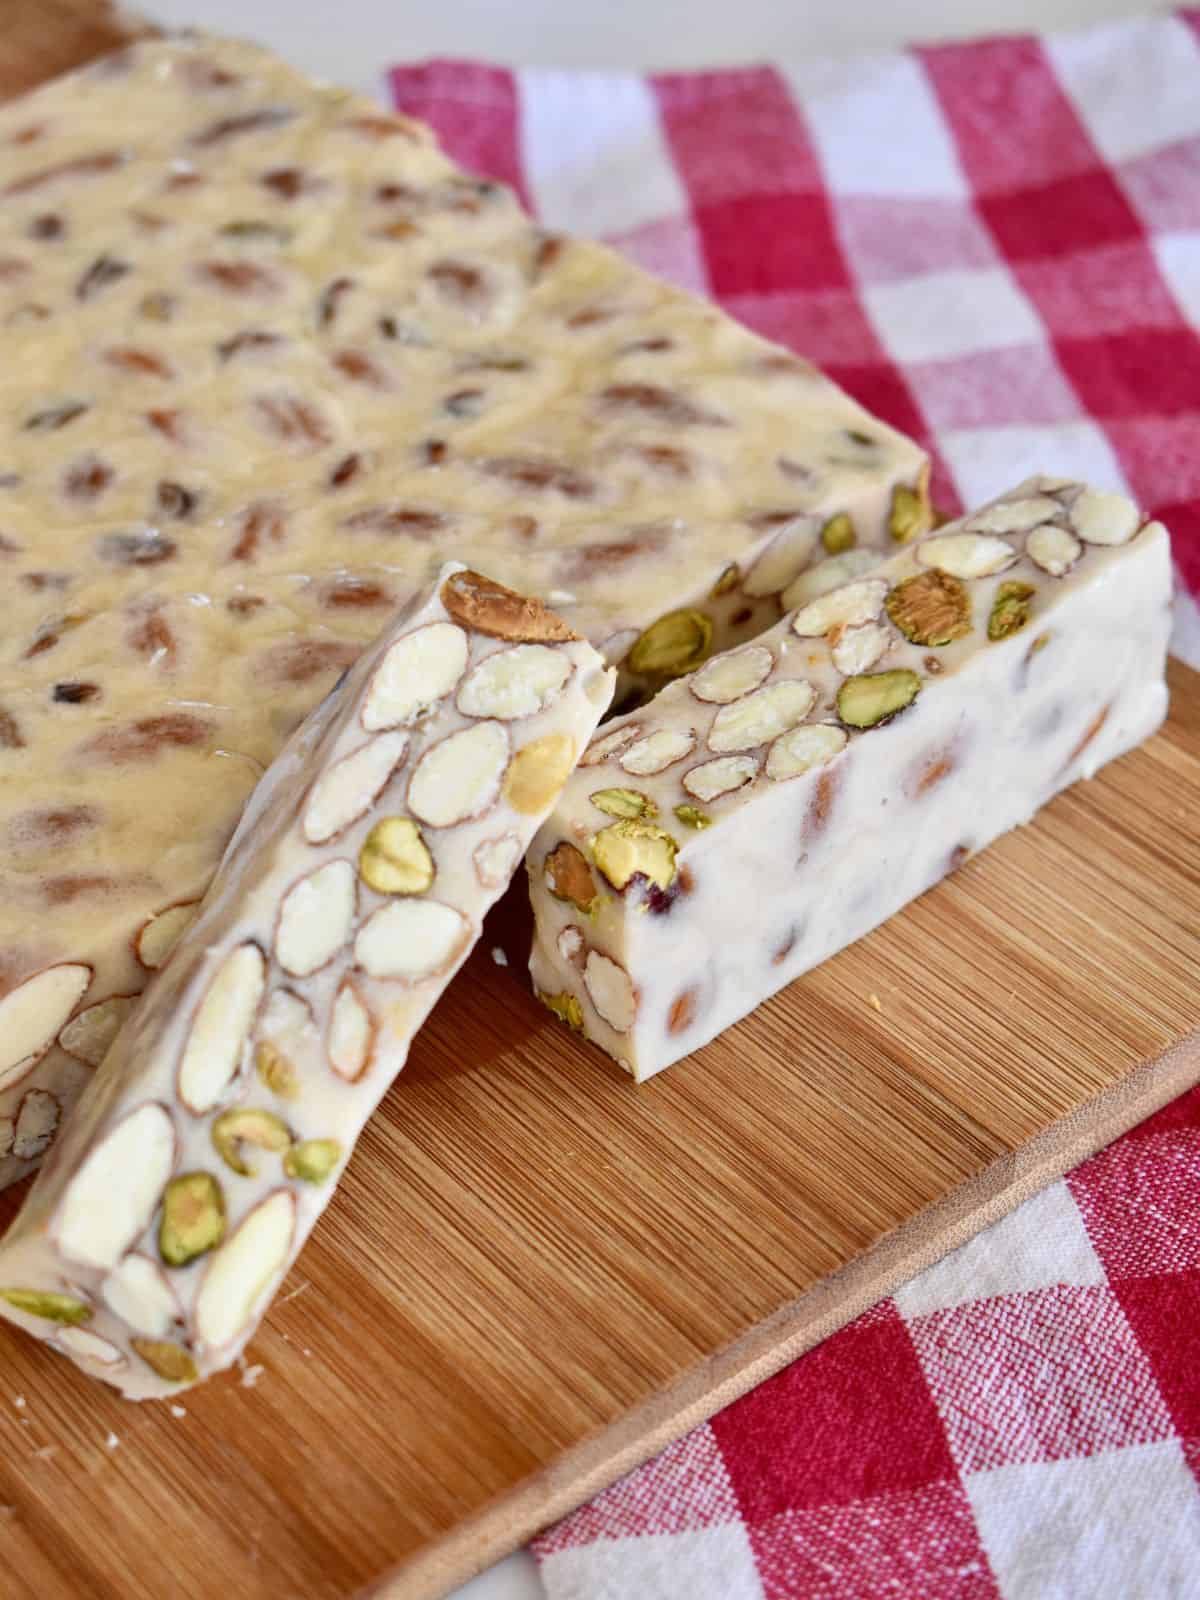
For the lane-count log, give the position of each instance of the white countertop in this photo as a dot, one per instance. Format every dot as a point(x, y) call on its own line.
point(350, 40)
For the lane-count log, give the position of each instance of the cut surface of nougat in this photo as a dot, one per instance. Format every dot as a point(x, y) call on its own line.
point(264, 354)
point(210, 1140)
point(790, 795)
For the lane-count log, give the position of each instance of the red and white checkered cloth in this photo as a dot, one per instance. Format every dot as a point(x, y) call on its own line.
point(996, 247)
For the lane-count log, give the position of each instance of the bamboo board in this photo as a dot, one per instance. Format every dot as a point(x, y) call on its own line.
point(535, 1274)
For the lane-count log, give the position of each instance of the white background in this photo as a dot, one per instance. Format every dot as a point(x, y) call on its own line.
point(347, 41)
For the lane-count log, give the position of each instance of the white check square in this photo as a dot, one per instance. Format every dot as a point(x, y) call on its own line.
point(1133, 84)
point(986, 461)
point(656, 1566)
point(942, 314)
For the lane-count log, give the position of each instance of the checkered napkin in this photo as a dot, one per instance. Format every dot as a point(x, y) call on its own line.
point(996, 247)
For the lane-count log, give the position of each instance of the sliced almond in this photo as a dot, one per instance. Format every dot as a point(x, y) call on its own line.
point(825, 576)
point(658, 751)
point(568, 876)
point(37, 1123)
point(852, 604)
point(611, 991)
point(723, 776)
point(514, 683)
point(88, 1035)
point(216, 1041)
point(570, 945)
point(607, 745)
point(243, 1274)
point(488, 607)
point(171, 1362)
point(136, 1291)
point(160, 935)
point(729, 677)
point(537, 773)
point(315, 919)
point(1053, 549)
point(1012, 516)
point(459, 778)
point(111, 1199)
point(858, 649)
point(1102, 518)
point(788, 552)
point(801, 749)
point(8, 1132)
point(351, 1034)
point(34, 1013)
point(351, 786)
point(87, 1346)
point(496, 860)
point(416, 672)
point(761, 716)
point(966, 555)
point(412, 940)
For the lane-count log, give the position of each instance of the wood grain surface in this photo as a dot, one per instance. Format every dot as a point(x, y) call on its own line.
point(535, 1274)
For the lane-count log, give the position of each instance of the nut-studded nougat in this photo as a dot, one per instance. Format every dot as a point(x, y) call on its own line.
point(211, 1138)
point(791, 794)
point(264, 351)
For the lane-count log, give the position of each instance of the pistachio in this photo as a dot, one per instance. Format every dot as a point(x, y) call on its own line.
point(312, 1160)
point(1010, 609)
point(568, 876)
point(727, 582)
point(873, 698)
point(170, 1361)
point(64, 1308)
point(693, 817)
point(673, 645)
point(537, 773)
point(931, 609)
point(276, 1071)
point(193, 1218)
point(623, 803)
point(565, 1007)
point(248, 1125)
point(629, 849)
point(909, 514)
point(395, 859)
point(838, 534)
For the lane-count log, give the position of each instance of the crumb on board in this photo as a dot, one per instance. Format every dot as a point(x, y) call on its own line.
point(47, 1452)
point(19, 1402)
point(875, 1003)
point(111, 1442)
point(179, 1411)
point(299, 1289)
point(498, 956)
point(251, 1375)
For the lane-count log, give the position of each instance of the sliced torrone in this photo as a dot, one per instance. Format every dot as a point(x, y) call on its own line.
point(992, 665)
point(212, 391)
point(209, 1141)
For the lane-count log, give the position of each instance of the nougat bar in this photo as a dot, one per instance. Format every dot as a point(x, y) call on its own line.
point(210, 1140)
point(266, 355)
point(791, 794)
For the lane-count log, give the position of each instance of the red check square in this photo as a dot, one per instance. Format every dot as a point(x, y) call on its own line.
point(1057, 219)
point(1144, 372)
point(1138, 1202)
point(759, 243)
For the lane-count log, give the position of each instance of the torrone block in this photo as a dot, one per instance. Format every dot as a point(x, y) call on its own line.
point(264, 351)
point(209, 1142)
point(790, 795)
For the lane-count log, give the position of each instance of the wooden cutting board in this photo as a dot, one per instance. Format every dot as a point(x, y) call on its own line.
point(535, 1274)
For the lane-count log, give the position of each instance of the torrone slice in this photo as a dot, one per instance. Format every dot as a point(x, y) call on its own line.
point(791, 794)
point(211, 1139)
point(263, 350)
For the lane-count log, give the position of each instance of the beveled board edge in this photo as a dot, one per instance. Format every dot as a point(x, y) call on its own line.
point(513, 1518)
